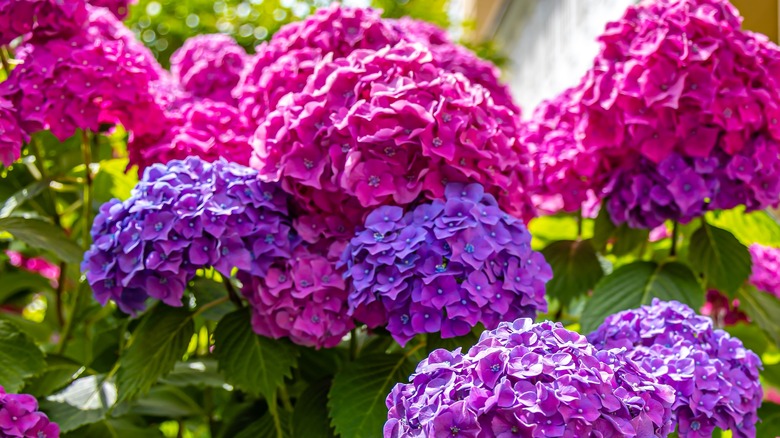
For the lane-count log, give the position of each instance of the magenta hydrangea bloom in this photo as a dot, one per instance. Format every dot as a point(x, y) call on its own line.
point(209, 66)
point(530, 380)
point(283, 65)
point(45, 18)
point(99, 75)
point(390, 127)
point(766, 265)
point(198, 127)
point(11, 135)
point(444, 267)
point(679, 115)
point(714, 376)
point(181, 217)
point(120, 8)
point(302, 298)
point(20, 418)
point(723, 310)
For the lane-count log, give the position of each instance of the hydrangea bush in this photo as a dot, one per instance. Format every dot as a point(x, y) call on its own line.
point(350, 230)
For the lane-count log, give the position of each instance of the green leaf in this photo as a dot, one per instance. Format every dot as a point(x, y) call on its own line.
point(21, 197)
point(206, 291)
point(769, 413)
point(310, 416)
point(15, 282)
point(754, 227)
point(42, 235)
point(623, 238)
point(265, 428)
point(199, 373)
point(576, 269)
point(60, 371)
point(602, 230)
point(548, 229)
point(717, 254)
point(318, 365)
point(635, 284)
point(168, 402)
point(771, 374)
point(69, 417)
point(20, 358)
point(112, 180)
point(762, 308)
point(253, 363)
point(115, 428)
point(160, 341)
point(357, 397)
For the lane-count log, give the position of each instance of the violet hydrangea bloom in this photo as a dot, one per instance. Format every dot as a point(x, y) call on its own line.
point(20, 418)
point(444, 267)
point(99, 75)
point(390, 127)
point(766, 265)
point(714, 376)
point(302, 297)
point(182, 217)
point(679, 115)
point(209, 66)
point(530, 380)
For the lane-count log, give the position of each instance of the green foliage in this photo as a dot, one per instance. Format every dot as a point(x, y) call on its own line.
point(717, 254)
point(635, 284)
point(576, 269)
point(42, 235)
point(310, 416)
point(763, 309)
point(357, 398)
point(20, 358)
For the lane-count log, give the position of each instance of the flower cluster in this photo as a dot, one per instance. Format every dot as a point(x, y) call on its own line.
point(11, 135)
point(766, 265)
point(39, 265)
point(302, 297)
point(182, 217)
point(209, 66)
point(20, 417)
point(723, 310)
point(44, 18)
point(120, 8)
point(679, 115)
point(444, 266)
point(714, 376)
point(204, 128)
point(389, 127)
point(534, 380)
point(98, 75)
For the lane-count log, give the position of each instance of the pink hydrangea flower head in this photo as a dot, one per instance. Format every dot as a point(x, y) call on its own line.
point(12, 137)
point(715, 378)
point(302, 298)
point(209, 66)
point(766, 265)
point(198, 127)
point(99, 75)
point(120, 8)
point(20, 417)
point(38, 265)
point(723, 311)
point(444, 267)
point(44, 18)
point(530, 380)
point(390, 127)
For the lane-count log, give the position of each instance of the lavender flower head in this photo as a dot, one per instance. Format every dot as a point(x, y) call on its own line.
point(20, 418)
point(209, 66)
point(530, 380)
point(766, 265)
point(302, 297)
point(181, 217)
point(444, 266)
point(715, 378)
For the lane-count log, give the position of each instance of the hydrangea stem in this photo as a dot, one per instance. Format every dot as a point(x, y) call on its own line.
point(675, 233)
point(353, 344)
point(232, 292)
point(4, 59)
point(86, 148)
point(579, 224)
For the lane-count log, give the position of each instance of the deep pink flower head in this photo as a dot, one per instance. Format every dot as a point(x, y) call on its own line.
point(20, 418)
point(45, 18)
point(283, 65)
point(529, 380)
point(679, 115)
point(390, 127)
point(99, 75)
point(302, 298)
point(11, 135)
point(209, 66)
point(714, 376)
point(198, 127)
point(444, 267)
point(120, 8)
point(39, 265)
point(723, 310)
point(766, 266)
point(181, 217)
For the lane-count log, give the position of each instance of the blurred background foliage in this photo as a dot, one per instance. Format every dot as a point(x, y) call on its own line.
point(164, 25)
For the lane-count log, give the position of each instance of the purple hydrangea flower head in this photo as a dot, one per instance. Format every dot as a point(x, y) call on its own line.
point(714, 376)
point(678, 116)
point(195, 127)
point(390, 127)
point(209, 66)
point(444, 267)
point(530, 380)
point(302, 297)
point(100, 74)
point(20, 417)
point(181, 217)
point(766, 265)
